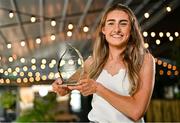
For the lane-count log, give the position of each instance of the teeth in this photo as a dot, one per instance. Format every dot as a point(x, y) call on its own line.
point(116, 36)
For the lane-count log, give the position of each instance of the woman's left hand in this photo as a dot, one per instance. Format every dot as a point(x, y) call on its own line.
point(85, 86)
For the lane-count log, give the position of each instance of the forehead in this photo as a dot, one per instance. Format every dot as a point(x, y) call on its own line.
point(120, 14)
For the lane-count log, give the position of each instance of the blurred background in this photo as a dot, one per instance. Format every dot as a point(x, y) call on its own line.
point(33, 34)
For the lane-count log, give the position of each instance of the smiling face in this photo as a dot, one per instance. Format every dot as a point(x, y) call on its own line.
point(117, 28)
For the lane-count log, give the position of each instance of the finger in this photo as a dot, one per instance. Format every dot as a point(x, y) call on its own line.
point(63, 86)
point(83, 81)
point(55, 90)
point(77, 87)
point(54, 87)
point(58, 81)
point(62, 92)
point(86, 93)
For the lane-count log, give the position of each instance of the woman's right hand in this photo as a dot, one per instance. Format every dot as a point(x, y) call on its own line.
point(59, 88)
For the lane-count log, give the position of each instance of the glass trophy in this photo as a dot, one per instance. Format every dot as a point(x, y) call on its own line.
point(70, 66)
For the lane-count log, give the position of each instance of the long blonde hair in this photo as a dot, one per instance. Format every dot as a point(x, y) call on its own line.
point(133, 54)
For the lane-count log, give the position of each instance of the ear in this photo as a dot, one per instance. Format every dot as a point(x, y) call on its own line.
point(103, 30)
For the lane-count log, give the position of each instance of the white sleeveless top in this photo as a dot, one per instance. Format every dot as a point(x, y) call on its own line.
point(102, 111)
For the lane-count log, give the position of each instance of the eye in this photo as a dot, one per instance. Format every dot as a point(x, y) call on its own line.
point(110, 23)
point(123, 23)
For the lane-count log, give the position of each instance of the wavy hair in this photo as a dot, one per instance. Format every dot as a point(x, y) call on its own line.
point(133, 54)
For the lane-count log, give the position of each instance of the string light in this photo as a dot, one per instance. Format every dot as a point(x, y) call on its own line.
point(174, 67)
point(176, 73)
point(22, 60)
point(53, 37)
point(43, 61)
point(146, 15)
point(17, 69)
point(10, 59)
point(33, 19)
point(176, 34)
point(168, 72)
point(18, 80)
point(5, 73)
point(171, 38)
point(168, 9)
point(153, 34)
point(164, 64)
point(146, 45)
point(1, 70)
point(25, 68)
point(1, 81)
point(85, 29)
point(145, 34)
point(33, 67)
point(21, 74)
point(23, 43)
point(43, 66)
point(51, 75)
point(70, 26)
point(38, 40)
point(51, 65)
point(53, 61)
point(9, 46)
point(169, 66)
point(69, 33)
point(25, 80)
point(159, 62)
point(9, 70)
point(53, 22)
point(7, 81)
point(37, 74)
point(168, 34)
point(14, 73)
point(57, 75)
point(31, 79)
point(161, 72)
point(37, 78)
point(33, 60)
point(44, 77)
point(158, 41)
point(161, 34)
point(11, 14)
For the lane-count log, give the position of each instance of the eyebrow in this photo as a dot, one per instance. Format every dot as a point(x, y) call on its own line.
point(123, 20)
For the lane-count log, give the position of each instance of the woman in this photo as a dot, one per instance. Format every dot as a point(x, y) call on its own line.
point(121, 71)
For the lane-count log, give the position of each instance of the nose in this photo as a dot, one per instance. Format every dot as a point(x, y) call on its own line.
point(117, 28)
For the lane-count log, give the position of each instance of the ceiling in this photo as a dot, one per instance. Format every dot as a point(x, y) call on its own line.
point(80, 13)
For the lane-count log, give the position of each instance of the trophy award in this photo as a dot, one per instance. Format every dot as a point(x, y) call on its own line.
point(70, 66)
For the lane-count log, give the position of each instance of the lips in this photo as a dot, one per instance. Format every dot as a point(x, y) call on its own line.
point(117, 35)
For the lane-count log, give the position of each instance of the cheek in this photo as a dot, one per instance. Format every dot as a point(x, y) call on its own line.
point(127, 32)
point(105, 30)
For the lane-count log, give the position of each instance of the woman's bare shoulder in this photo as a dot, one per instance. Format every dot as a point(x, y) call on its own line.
point(149, 61)
point(148, 58)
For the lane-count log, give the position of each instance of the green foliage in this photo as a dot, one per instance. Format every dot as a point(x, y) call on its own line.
point(7, 99)
point(42, 111)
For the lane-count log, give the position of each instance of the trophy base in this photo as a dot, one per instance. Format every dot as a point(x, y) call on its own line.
point(70, 83)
